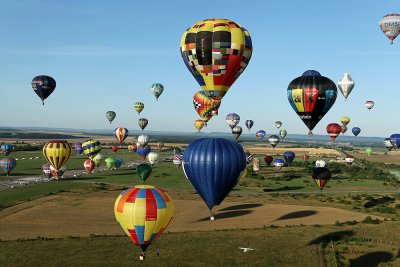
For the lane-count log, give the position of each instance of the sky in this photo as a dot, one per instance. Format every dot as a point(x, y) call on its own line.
point(105, 55)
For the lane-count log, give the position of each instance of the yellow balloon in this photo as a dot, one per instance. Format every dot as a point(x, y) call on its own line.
point(57, 153)
point(345, 120)
point(138, 106)
point(199, 124)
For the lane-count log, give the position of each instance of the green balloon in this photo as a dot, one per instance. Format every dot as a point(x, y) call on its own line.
point(143, 171)
point(110, 162)
point(110, 115)
point(368, 150)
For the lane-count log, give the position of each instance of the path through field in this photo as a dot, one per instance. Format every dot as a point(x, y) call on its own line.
point(82, 215)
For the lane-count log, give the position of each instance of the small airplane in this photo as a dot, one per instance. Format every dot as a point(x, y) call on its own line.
point(246, 249)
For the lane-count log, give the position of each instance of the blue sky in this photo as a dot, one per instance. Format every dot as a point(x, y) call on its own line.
point(105, 55)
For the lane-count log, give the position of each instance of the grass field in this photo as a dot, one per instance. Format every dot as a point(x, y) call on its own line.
point(346, 243)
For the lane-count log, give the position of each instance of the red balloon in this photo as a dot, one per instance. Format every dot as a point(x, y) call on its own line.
point(268, 159)
point(89, 165)
point(305, 157)
point(333, 129)
point(114, 148)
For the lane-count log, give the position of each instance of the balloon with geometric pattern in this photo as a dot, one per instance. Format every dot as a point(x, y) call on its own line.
point(57, 153)
point(157, 89)
point(143, 212)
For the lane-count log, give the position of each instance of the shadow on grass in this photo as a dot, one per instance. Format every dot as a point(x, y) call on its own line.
point(372, 259)
point(334, 236)
point(374, 202)
point(226, 215)
point(297, 214)
point(284, 188)
point(241, 207)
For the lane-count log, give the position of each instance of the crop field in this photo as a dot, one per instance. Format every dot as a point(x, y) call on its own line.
point(347, 224)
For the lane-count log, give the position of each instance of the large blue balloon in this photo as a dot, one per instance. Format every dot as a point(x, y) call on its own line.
point(289, 157)
point(214, 166)
point(395, 138)
point(356, 131)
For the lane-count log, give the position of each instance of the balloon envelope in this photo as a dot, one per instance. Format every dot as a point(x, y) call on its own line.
point(249, 124)
point(110, 115)
point(43, 86)
point(390, 26)
point(356, 130)
point(143, 171)
point(110, 162)
point(89, 165)
point(216, 52)
point(260, 134)
point(8, 164)
point(157, 89)
point(346, 85)
point(121, 134)
point(142, 122)
point(333, 129)
point(143, 212)
point(289, 157)
point(395, 138)
point(232, 119)
point(268, 159)
point(143, 151)
point(57, 153)
point(213, 166)
point(278, 163)
point(311, 96)
point(321, 176)
point(118, 162)
point(91, 148)
point(138, 106)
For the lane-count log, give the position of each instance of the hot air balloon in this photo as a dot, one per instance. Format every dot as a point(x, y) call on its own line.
point(118, 162)
point(177, 150)
point(278, 124)
point(390, 26)
point(289, 157)
point(143, 151)
point(260, 134)
point(199, 124)
point(321, 176)
point(98, 159)
point(78, 148)
point(321, 163)
point(177, 160)
point(91, 148)
point(333, 129)
point(388, 144)
point(273, 140)
point(204, 106)
point(237, 131)
point(305, 158)
point(8, 164)
point(132, 148)
point(160, 145)
point(369, 151)
point(356, 131)
point(142, 122)
point(46, 170)
point(143, 171)
point(157, 89)
point(7, 149)
point(110, 162)
point(216, 52)
point(249, 124)
point(152, 157)
point(232, 119)
point(110, 115)
point(143, 140)
point(57, 173)
point(121, 134)
point(346, 85)
point(345, 120)
point(369, 104)
point(349, 160)
point(143, 212)
point(343, 129)
point(218, 155)
point(138, 106)
point(43, 86)
point(282, 133)
point(268, 159)
point(256, 164)
point(395, 138)
point(57, 153)
point(114, 148)
point(311, 96)
point(278, 163)
point(89, 165)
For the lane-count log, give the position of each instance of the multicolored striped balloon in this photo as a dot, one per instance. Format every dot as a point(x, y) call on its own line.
point(8, 164)
point(143, 212)
point(57, 153)
point(121, 134)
